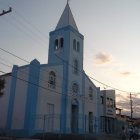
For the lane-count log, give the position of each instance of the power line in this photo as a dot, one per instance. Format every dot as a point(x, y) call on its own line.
point(73, 95)
point(48, 89)
point(14, 55)
point(31, 31)
point(102, 83)
point(106, 85)
point(96, 79)
point(26, 31)
point(18, 58)
point(31, 25)
point(5, 65)
point(27, 21)
point(29, 62)
point(72, 67)
point(25, 73)
point(21, 58)
point(31, 83)
point(31, 28)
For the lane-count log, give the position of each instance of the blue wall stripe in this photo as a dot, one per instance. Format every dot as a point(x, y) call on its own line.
point(32, 94)
point(98, 110)
point(83, 102)
point(53, 59)
point(64, 99)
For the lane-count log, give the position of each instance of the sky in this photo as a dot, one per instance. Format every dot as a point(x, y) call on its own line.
point(111, 30)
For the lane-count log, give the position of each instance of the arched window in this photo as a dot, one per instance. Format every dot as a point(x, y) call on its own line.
point(61, 42)
point(74, 44)
point(102, 99)
point(75, 88)
point(75, 66)
point(111, 103)
point(56, 44)
point(78, 47)
point(107, 102)
point(90, 93)
point(52, 80)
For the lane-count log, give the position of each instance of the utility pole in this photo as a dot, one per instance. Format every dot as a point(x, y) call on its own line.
point(131, 107)
point(6, 12)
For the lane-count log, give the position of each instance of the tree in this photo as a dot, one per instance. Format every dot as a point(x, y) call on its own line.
point(2, 85)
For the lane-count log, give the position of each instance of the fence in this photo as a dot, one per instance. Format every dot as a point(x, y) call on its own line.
point(53, 124)
point(81, 124)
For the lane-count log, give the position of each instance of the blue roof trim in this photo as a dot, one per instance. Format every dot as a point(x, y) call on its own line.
point(83, 103)
point(97, 110)
point(89, 79)
point(68, 28)
point(48, 65)
point(25, 66)
point(64, 99)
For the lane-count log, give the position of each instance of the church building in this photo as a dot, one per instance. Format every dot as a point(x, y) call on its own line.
point(57, 97)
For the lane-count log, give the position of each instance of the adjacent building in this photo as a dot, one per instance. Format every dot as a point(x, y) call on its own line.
point(107, 111)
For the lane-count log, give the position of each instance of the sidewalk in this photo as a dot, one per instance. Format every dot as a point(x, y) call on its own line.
point(84, 137)
point(107, 137)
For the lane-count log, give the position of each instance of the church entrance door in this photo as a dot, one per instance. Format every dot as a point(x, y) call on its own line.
point(74, 118)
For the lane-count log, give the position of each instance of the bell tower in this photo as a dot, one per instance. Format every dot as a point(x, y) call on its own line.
point(65, 41)
point(66, 48)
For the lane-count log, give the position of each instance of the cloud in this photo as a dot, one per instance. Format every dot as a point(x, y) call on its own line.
point(123, 102)
point(121, 96)
point(126, 73)
point(103, 58)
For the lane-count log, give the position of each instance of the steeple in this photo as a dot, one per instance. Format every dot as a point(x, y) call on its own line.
point(66, 41)
point(66, 19)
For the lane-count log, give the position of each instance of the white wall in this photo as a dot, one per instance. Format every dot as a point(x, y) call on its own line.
point(90, 105)
point(47, 95)
point(109, 111)
point(101, 106)
point(20, 99)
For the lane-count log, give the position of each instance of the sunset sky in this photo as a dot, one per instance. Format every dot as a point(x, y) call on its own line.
point(111, 30)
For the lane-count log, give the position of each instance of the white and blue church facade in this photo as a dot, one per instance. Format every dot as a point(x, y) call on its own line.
point(57, 97)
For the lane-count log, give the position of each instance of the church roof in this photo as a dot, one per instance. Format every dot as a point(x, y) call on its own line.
point(66, 19)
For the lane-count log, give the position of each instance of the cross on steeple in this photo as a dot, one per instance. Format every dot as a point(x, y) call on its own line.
point(68, 1)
